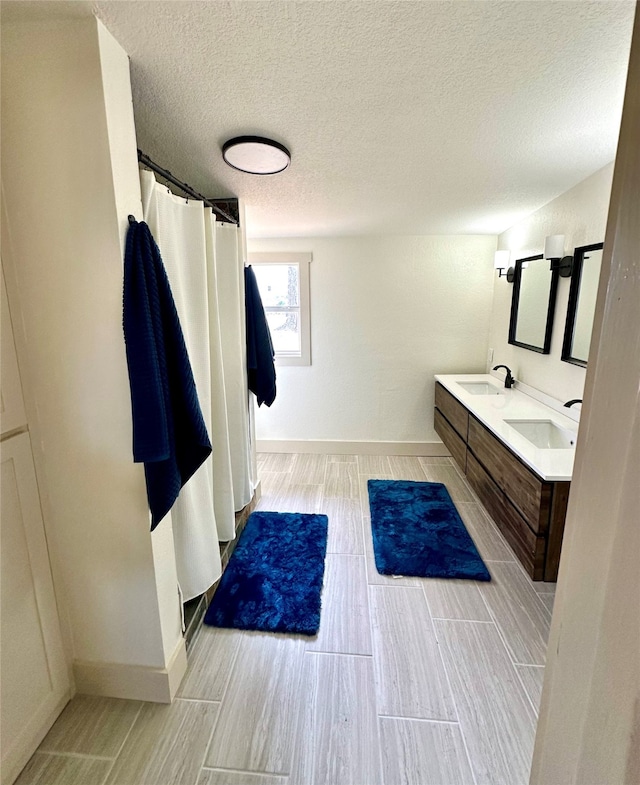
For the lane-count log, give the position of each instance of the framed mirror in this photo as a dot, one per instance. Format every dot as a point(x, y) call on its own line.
point(532, 304)
point(587, 260)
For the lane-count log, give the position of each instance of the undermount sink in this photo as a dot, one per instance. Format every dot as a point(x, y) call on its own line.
point(545, 434)
point(481, 388)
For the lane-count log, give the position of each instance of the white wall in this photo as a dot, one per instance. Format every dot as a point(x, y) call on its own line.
point(387, 313)
point(581, 215)
point(69, 175)
point(121, 132)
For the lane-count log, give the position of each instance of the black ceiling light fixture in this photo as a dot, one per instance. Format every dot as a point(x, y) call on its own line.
point(256, 155)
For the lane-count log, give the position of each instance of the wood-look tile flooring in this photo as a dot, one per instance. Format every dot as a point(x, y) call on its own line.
point(409, 682)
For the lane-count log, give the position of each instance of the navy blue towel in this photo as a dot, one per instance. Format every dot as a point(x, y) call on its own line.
point(260, 365)
point(169, 432)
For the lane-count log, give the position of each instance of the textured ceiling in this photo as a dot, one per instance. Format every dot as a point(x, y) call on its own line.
point(402, 117)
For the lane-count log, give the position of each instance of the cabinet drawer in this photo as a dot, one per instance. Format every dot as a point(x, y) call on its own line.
point(528, 547)
point(454, 443)
point(526, 491)
point(453, 410)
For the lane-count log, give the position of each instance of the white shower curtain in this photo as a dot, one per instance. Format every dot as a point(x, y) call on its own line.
point(230, 272)
point(204, 267)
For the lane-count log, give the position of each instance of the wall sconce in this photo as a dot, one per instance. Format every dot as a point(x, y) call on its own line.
point(554, 252)
point(501, 262)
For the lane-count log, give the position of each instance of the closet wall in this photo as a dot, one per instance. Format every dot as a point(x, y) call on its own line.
point(69, 179)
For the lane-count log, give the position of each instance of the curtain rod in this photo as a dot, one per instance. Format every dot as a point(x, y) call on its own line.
point(166, 174)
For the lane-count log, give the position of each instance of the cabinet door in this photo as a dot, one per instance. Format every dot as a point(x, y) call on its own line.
point(524, 489)
point(12, 413)
point(34, 679)
point(453, 410)
point(452, 441)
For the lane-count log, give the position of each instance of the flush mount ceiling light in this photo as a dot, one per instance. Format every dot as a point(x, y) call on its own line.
point(256, 155)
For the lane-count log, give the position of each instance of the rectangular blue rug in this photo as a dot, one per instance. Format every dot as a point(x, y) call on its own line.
point(274, 577)
point(417, 531)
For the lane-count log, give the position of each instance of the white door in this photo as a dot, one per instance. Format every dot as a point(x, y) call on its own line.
point(34, 679)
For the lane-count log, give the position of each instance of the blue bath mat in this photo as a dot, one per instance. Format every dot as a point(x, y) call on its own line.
point(274, 577)
point(417, 531)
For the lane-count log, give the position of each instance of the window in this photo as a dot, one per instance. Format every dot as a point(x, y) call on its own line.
point(283, 281)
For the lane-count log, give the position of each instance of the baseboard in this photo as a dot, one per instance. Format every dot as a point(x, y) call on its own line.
point(331, 447)
point(135, 682)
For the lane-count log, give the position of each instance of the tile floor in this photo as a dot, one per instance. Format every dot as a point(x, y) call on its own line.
point(409, 682)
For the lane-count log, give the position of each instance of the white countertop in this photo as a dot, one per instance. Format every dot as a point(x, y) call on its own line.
point(492, 411)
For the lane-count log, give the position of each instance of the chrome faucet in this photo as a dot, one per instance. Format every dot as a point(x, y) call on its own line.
point(570, 403)
point(508, 379)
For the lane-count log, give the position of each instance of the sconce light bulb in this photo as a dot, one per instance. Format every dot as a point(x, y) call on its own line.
point(501, 259)
point(554, 246)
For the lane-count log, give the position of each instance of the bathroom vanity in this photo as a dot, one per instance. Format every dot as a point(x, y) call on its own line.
point(517, 454)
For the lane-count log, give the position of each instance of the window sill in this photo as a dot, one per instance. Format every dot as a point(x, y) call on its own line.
point(282, 360)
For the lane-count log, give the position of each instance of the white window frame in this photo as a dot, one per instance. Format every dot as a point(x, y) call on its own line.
point(302, 260)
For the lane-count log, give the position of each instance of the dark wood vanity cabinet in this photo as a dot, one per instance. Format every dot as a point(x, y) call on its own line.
point(451, 421)
point(528, 510)
point(452, 410)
